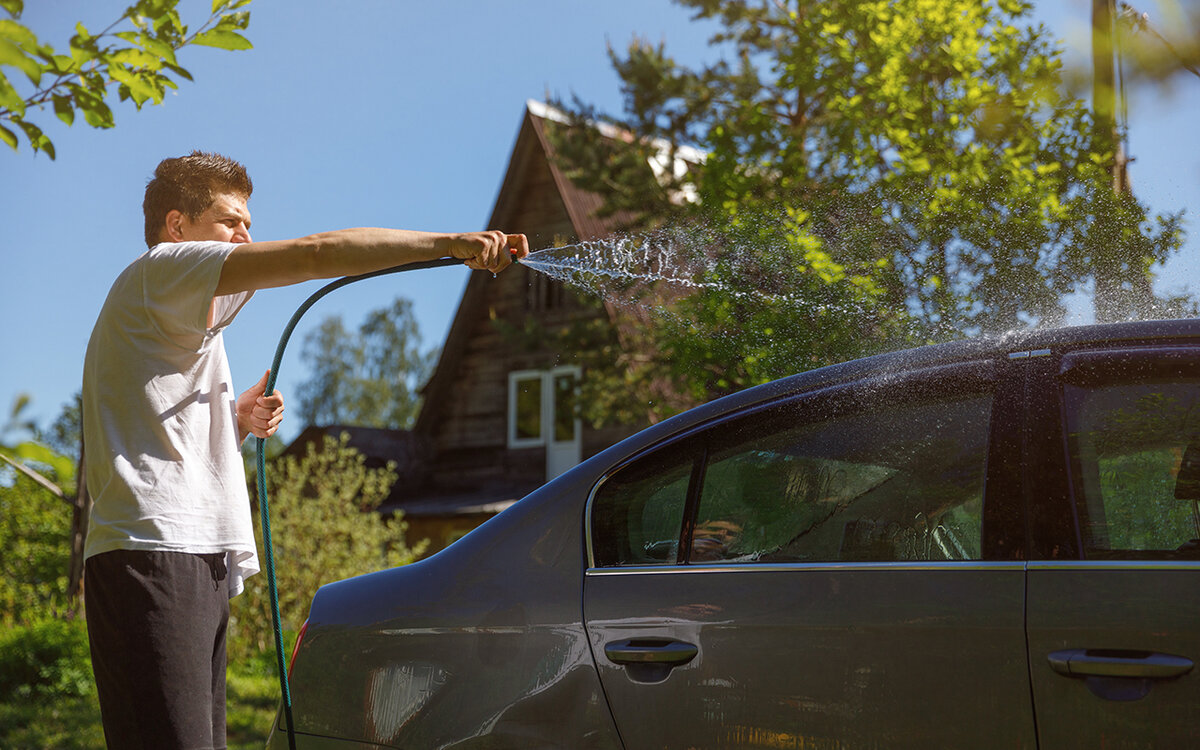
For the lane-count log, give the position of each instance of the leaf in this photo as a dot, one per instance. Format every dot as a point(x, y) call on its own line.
point(18, 33)
point(37, 138)
point(138, 87)
point(181, 72)
point(8, 137)
point(14, 56)
point(136, 58)
point(14, 7)
point(10, 100)
point(64, 109)
point(223, 39)
point(63, 467)
point(155, 46)
point(61, 64)
point(239, 20)
point(95, 111)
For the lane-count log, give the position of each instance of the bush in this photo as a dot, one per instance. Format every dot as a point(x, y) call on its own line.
point(324, 528)
point(35, 533)
point(45, 660)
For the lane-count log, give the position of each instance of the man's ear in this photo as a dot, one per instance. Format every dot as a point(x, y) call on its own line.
point(173, 226)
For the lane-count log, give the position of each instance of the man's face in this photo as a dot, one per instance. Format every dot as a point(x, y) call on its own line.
point(226, 220)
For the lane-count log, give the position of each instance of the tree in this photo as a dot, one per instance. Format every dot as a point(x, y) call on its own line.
point(907, 170)
point(54, 473)
point(1159, 49)
point(369, 378)
point(35, 567)
point(136, 54)
point(324, 527)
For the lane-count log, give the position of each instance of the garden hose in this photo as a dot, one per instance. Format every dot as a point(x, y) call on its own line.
point(264, 510)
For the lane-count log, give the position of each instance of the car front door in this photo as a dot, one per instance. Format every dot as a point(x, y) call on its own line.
point(1114, 583)
point(823, 573)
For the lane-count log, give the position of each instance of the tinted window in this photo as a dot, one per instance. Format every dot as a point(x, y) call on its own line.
point(894, 482)
point(867, 476)
point(637, 516)
point(1137, 480)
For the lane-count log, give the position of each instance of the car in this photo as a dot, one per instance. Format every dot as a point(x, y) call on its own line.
point(985, 543)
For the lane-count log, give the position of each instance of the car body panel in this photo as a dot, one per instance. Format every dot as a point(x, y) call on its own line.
point(1114, 613)
point(830, 656)
point(454, 652)
point(1123, 608)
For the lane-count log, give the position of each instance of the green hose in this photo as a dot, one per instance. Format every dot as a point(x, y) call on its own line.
point(264, 510)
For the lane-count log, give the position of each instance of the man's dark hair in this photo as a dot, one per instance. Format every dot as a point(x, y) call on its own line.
point(190, 184)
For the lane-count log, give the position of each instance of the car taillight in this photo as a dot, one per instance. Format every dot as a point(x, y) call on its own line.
point(296, 648)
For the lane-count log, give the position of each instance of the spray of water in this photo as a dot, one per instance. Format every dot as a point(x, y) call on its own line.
point(627, 270)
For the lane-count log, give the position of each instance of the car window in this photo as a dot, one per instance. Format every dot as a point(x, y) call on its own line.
point(637, 515)
point(882, 482)
point(1136, 465)
point(877, 477)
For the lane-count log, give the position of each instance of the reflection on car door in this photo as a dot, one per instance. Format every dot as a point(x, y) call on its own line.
point(813, 575)
point(1114, 623)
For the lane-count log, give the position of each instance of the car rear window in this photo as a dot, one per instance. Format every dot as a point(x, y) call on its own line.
point(1135, 451)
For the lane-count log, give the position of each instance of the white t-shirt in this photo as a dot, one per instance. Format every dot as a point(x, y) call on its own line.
point(159, 414)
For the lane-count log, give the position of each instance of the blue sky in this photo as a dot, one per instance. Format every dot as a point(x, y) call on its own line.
point(378, 113)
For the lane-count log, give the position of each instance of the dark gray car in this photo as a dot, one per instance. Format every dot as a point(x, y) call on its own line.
point(980, 544)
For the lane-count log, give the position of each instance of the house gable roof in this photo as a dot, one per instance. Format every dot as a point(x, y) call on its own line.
point(532, 151)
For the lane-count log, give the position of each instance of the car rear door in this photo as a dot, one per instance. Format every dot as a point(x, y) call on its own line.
point(1114, 579)
point(827, 572)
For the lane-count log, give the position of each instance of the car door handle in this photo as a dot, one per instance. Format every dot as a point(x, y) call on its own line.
point(662, 651)
point(1089, 662)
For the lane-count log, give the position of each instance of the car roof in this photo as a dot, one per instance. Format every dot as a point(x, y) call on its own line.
point(935, 355)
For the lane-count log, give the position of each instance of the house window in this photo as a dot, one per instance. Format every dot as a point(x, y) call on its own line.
point(525, 409)
point(542, 409)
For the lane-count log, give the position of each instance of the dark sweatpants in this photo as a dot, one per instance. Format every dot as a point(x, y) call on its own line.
point(156, 623)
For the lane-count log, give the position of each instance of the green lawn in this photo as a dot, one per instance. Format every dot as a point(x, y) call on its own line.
point(73, 723)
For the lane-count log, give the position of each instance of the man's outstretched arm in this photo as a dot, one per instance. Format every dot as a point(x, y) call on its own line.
point(349, 252)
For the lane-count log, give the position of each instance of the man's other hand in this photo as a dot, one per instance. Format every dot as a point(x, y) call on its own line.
point(257, 413)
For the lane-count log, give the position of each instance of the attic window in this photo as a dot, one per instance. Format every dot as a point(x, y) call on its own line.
point(543, 293)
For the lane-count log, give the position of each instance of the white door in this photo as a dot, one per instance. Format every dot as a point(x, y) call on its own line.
point(562, 421)
point(542, 413)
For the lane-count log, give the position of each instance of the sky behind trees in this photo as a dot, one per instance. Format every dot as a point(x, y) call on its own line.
point(375, 113)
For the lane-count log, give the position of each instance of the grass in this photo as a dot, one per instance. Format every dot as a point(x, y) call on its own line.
point(73, 722)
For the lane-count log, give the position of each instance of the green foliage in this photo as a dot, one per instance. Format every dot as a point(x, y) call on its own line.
point(65, 434)
point(35, 529)
point(324, 527)
point(45, 660)
point(909, 167)
point(136, 55)
point(369, 378)
point(68, 717)
point(46, 694)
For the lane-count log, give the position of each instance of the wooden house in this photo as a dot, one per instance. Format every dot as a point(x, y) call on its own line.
point(497, 419)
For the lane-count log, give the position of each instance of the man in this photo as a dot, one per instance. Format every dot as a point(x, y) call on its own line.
point(170, 539)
